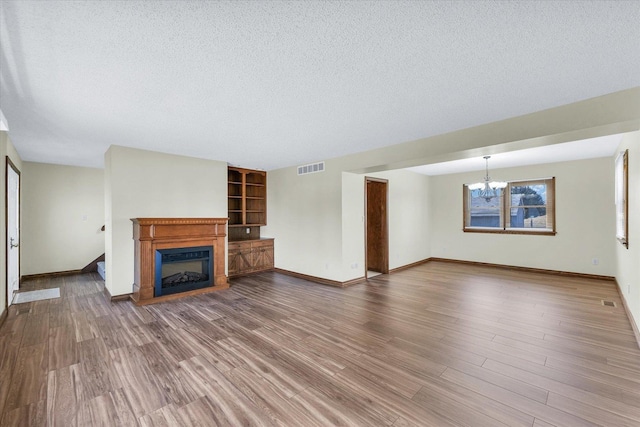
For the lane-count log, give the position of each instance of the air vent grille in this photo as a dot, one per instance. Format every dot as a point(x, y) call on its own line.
point(608, 303)
point(311, 168)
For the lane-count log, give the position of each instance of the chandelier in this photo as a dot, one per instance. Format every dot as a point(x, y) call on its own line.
point(488, 189)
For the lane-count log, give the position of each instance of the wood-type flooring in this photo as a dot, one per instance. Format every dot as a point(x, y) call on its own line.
point(439, 344)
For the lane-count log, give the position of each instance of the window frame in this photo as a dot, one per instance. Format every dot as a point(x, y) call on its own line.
point(621, 194)
point(505, 209)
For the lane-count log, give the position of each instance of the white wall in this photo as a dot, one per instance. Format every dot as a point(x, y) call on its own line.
point(627, 269)
point(311, 216)
point(585, 220)
point(146, 184)
point(6, 149)
point(62, 213)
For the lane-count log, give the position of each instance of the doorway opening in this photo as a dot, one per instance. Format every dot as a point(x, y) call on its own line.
point(12, 215)
point(376, 227)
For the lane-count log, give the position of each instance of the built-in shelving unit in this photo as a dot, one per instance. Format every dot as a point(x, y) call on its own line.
point(247, 195)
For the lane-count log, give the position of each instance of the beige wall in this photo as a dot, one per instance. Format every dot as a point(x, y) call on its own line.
point(140, 184)
point(6, 149)
point(627, 269)
point(312, 217)
point(585, 220)
point(408, 219)
point(62, 213)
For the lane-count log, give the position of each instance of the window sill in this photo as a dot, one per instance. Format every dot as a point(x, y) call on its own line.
point(509, 231)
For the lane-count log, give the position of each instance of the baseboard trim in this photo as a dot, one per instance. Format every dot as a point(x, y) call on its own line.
point(4, 315)
point(28, 277)
point(413, 264)
point(634, 325)
point(527, 269)
point(124, 297)
point(320, 280)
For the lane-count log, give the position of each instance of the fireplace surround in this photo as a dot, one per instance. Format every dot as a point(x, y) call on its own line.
point(189, 244)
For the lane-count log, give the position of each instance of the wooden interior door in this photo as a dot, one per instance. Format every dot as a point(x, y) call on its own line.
point(377, 246)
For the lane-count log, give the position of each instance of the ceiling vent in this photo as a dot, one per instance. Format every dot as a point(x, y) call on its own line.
point(312, 168)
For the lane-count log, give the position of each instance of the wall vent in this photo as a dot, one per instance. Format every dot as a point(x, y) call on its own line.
point(311, 168)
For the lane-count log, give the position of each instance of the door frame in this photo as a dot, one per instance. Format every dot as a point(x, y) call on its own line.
point(10, 164)
point(385, 245)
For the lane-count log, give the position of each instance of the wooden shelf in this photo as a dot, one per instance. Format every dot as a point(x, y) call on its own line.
point(247, 195)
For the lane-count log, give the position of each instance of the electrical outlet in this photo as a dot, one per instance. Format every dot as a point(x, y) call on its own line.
point(595, 261)
point(248, 230)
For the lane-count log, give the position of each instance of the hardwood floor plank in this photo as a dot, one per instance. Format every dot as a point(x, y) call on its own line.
point(270, 399)
point(163, 417)
point(111, 409)
point(528, 406)
point(583, 392)
point(62, 397)
point(31, 415)
point(62, 347)
point(36, 330)
point(143, 393)
point(221, 402)
point(29, 379)
point(9, 347)
point(587, 412)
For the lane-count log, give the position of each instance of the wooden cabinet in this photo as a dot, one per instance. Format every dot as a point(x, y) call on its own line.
point(250, 256)
point(247, 197)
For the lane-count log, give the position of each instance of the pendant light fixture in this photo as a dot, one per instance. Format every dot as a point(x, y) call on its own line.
point(488, 189)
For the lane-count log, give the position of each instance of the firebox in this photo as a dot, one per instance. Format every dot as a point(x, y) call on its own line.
point(183, 269)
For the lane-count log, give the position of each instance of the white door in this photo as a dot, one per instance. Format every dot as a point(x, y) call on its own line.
point(13, 231)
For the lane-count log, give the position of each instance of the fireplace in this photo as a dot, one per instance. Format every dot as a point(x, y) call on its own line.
point(177, 257)
point(183, 269)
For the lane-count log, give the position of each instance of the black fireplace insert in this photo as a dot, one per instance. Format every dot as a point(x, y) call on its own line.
point(183, 269)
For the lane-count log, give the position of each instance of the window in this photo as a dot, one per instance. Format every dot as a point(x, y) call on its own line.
point(523, 207)
point(622, 194)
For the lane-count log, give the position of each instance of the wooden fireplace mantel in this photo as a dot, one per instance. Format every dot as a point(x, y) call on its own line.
point(151, 234)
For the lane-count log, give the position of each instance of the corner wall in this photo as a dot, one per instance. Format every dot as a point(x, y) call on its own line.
point(63, 212)
point(627, 268)
point(6, 149)
point(147, 184)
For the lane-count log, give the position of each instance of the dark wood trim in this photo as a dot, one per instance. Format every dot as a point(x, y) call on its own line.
point(320, 280)
point(632, 320)
point(9, 164)
point(405, 267)
point(527, 269)
point(3, 316)
point(49, 275)
point(93, 265)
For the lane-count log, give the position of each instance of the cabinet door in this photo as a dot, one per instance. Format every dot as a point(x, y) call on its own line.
point(263, 257)
point(240, 260)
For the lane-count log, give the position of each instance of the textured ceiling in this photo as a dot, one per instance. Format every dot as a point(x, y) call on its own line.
point(274, 84)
